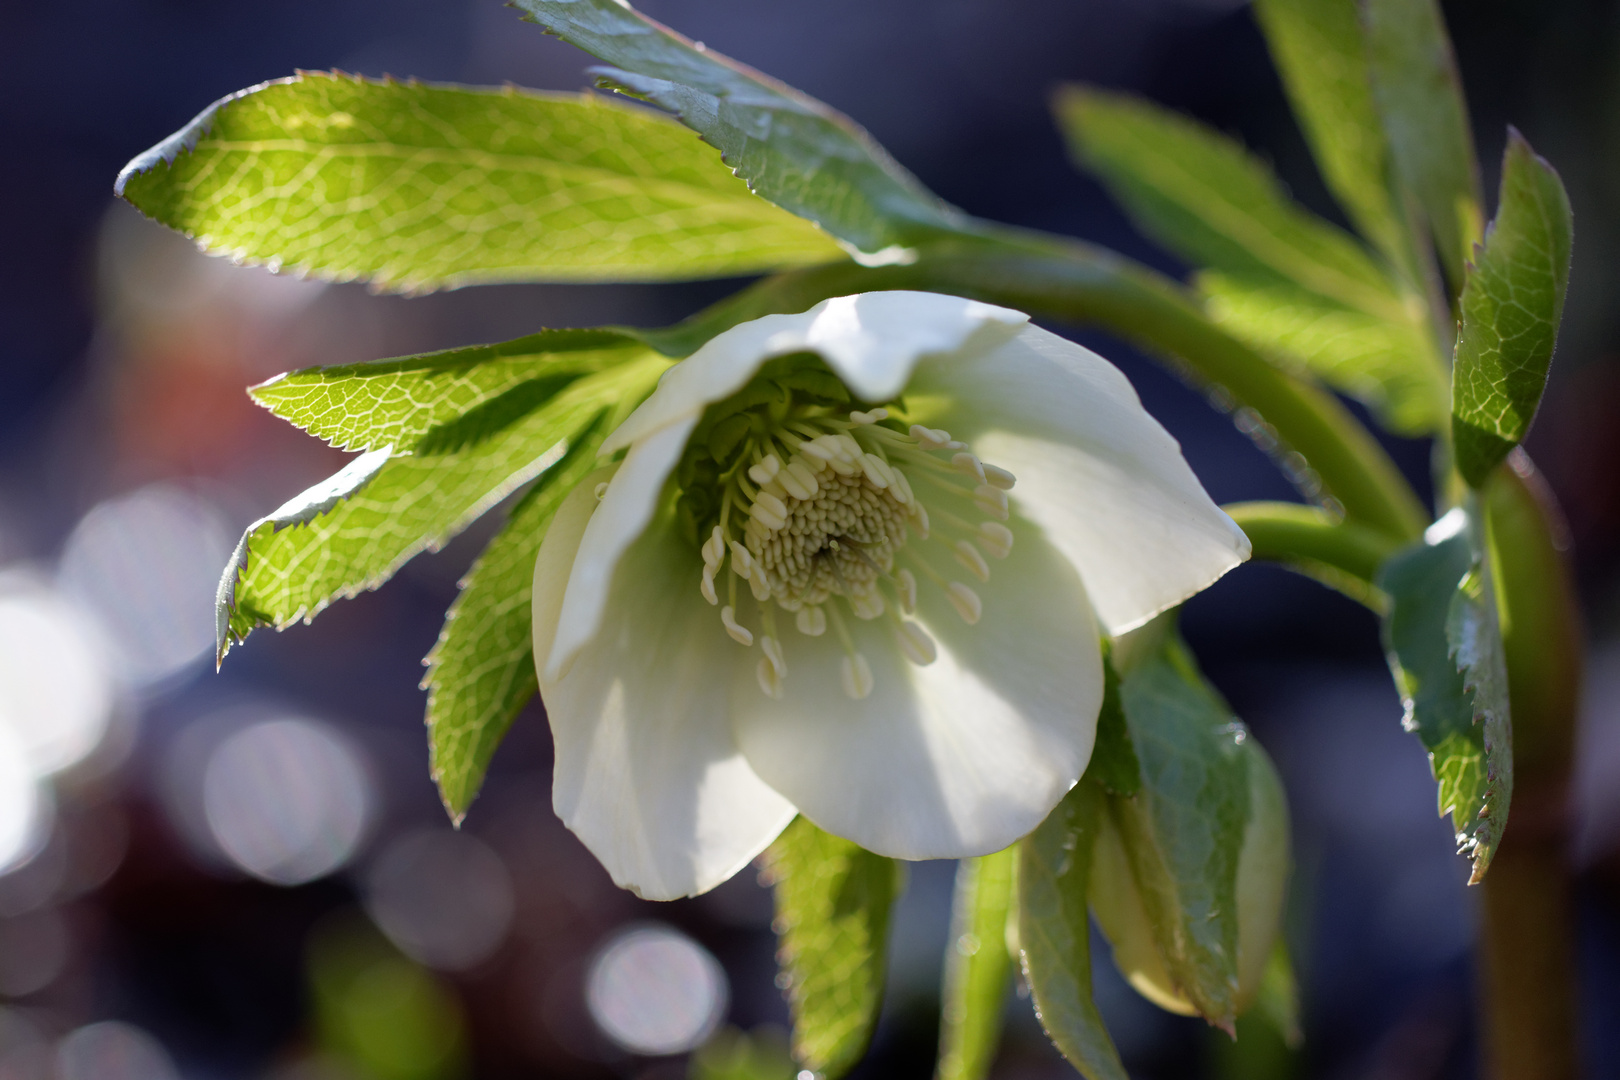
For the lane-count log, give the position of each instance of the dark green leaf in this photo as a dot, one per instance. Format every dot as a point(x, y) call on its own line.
point(395, 403)
point(1512, 304)
point(353, 531)
point(1184, 832)
point(1390, 365)
point(1207, 199)
point(413, 187)
point(792, 149)
point(833, 901)
point(1419, 97)
point(1445, 649)
point(1320, 50)
point(977, 966)
point(481, 670)
point(1054, 934)
point(1113, 758)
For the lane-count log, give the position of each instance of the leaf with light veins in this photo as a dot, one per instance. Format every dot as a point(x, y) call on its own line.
point(414, 186)
point(290, 566)
point(1512, 303)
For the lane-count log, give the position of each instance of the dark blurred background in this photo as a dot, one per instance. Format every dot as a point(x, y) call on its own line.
point(248, 875)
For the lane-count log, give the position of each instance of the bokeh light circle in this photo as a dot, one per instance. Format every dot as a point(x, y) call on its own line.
point(147, 565)
point(443, 897)
point(653, 990)
point(113, 1050)
point(56, 693)
point(286, 800)
point(24, 804)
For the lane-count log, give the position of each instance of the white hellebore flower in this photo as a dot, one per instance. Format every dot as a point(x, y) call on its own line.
point(812, 586)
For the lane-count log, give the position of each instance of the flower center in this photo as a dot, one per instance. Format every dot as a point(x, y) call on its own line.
point(821, 513)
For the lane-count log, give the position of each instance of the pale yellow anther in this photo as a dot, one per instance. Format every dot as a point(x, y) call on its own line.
point(798, 481)
point(707, 588)
point(919, 519)
point(773, 653)
point(761, 512)
point(992, 500)
point(811, 621)
point(996, 539)
point(971, 560)
point(714, 548)
point(770, 502)
point(742, 560)
point(763, 472)
point(817, 450)
point(769, 679)
point(601, 490)
point(902, 486)
point(858, 417)
point(857, 676)
point(740, 634)
point(930, 438)
point(915, 643)
point(908, 590)
point(969, 464)
point(867, 605)
point(965, 601)
point(759, 584)
point(876, 472)
point(1001, 478)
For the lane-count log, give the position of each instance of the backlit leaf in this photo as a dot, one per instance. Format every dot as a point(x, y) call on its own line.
point(1054, 932)
point(833, 902)
point(1445, 650)
point(414, 186)
point(1206, 198)
point(1512, 304)
point(977, 966)
point(352, 532)
point(1420, 99)
point(792, 149)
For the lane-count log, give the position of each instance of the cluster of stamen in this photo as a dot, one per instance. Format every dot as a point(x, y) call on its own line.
point(815, 512)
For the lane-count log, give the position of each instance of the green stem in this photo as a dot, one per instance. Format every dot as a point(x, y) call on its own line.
point(1338, 553)
point(1075, 282)
point(1527, 984)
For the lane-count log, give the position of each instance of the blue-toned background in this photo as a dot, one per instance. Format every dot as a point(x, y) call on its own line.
point(136, 945)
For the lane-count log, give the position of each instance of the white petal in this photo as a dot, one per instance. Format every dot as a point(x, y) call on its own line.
point(960, 757)
point(647, 773)
point(626, 509)
point(871, 340)
point(1103, 479)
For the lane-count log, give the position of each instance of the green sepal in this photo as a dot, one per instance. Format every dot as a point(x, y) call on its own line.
point(833, 906)
point(413, 186)
point(977, 966)
point(1445, 650)
point(791, 149)
point(1113, 758)
point(1054, 932)
point(1512, 303)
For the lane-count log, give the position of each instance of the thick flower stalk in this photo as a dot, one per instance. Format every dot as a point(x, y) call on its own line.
point(855, 563)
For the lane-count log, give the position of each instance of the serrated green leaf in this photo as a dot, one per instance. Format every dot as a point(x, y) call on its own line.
point(1113, 759)
point(1320, 50)
point(1420, 100)
point(352, 532)
point(1511, 305)
point(1184, 831)
point(1390, 365)
point(481, 670)
point(415, 186)
point(977, 966)
point(1206, 198)
point(1445, 650)
point(1054, 933)
point(833, 902)
point(792, 149)
point(394, 403)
